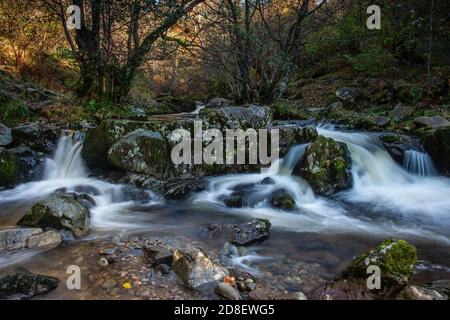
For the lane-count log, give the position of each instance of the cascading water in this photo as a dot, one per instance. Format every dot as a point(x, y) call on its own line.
point(419, 163)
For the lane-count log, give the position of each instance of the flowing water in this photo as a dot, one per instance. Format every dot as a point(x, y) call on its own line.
point(386, 200)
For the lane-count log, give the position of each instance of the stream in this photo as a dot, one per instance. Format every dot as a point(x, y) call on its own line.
point(307, 247)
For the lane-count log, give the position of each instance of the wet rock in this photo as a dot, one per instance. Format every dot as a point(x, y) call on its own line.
point(22, 285)
point(431, 122)
point(268, 181)
point(217, 103)
point(181, 189)
point(398, 144)
point(396, 260)
point(293, 135)
point(99, 140)
point(59, 211)
point(250, 117)
point(282, 200)
point(141, 152)
point(145, 182)
point(326, 166)
point(436, 144)
point(413, 292)
point(9, 168)
point(227, 292)
point(381, 121)
point(336, 106)
point(164, 268)
point(46, 239)
point(31, 163)
point(346, 95)
point(5, 135)
point(442, 286)
point(244, 234)
point(158, 255)
point(195, 268)
point(131, 193)
point(401, 112)
point(14, 239)
point(39, 137)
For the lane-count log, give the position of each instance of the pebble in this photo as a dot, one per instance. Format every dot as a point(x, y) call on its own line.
point(103, 262)
point(109, 284)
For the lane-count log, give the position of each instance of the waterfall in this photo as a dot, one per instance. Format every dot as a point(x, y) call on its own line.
point(419, 163)
point(67, 162)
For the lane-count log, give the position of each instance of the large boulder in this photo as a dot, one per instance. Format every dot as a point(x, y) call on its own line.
point(9, 168)
point(436, 143)
point(395, 259)
point(5, 135)
point(141, 152)
point(196, 269)
point(281, 199)
point(171, 104)
point(217, 103)
point(38, 136)
point(326, 166)
point(98, 140)
point(23, 284)
point(401, 112)
point(30, 238)
point(244, 234)
point(397, 144)
point(60, 211)
point(248, 117)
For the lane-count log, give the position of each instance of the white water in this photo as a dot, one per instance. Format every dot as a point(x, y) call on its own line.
point(419, 163)
point(392, 201)
point(67, 170)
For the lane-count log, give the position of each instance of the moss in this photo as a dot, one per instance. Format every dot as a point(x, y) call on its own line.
point(396, 257)
point(9, 168)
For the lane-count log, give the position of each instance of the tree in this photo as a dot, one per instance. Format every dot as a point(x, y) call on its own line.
point(115, 38)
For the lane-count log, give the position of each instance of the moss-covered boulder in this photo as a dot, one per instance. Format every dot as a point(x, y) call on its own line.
point(282, 200)
point(326, 166)
point(60, 211)
point(248, 117)
point(9, 168)
point(396, 259)
point(100, 139)
point(141, 151)
point(38, 136)
point(170, 104)
point(436, 143)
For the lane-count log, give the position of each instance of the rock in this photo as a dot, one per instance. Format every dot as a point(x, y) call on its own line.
point(25, 285)
point(109, 284)
point(59, 211)
point(37, 136)
point(326, 166)
point(14, 239)
point(282, 200)
point(293, 135)
point(436, 144)
point(141, 152)
point(46, 239)
point(217, 103)
point(158, 255)
point(131, 193)
point(396, 260)
point(442, 286)
point(250, 117)
point(169, 104)
point(299, 296)
point(181, 189)
point(381, 121)
point(99, 140)
point(400, 112)
point(412, 292)
point(145, 182)
point(31, 163)
point(195, 268)
point(244, 234)
point(397, 144)
point(268, 181)
point(336, 106)
point(103, 262)
point(431, 122)
point(346, 95)
point(9, 168)
point(5, 135)
point(227, 292)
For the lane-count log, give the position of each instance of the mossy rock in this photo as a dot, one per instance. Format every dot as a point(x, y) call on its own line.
point(60, 212)
point(98, 140)
point(9, 168)
point(293, 135)
point(141, 152)
point(289, 110)
point(395, 258)
point(282, 200)
point(436, 143)
point(326, 166)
